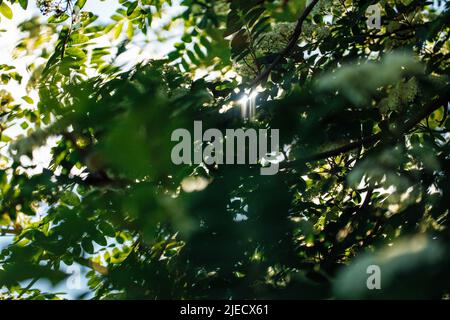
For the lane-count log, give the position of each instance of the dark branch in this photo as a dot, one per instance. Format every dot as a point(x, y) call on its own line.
point(402, 129)
point(297, 31)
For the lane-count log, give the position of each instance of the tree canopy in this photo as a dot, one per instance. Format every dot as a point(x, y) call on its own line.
point(362, 114)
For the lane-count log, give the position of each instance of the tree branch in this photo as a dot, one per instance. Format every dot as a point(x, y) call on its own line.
point(297, 31)
point(401, 130)
point(6, 231)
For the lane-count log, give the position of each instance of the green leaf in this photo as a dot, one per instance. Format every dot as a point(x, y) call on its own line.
point(75, 53)
point(28, 99)
point(118, 30)
point(23, 4)
point(131, 8)
point(192, 57)
point(130, 30)
point(254, 14)
point(199, 51)
point(80, 3)
point(173, 55)
point(107, 229)
point(100, 239)
point(58, 18)
point(185, 64)
point(87, 245)
point(78, 38)
point(6, 10)
point(186, 38)
point(234, 23)
point(5, 138)
point(70, 199)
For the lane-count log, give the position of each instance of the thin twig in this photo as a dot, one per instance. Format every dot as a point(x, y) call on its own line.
point(28, 287)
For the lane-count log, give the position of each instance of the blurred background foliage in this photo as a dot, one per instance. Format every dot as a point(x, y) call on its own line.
point(364, 130)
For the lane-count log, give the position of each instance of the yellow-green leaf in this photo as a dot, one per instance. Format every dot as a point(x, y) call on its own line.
point(118, 30)
point(130, 30)
point(28, 99)
point(6, 10)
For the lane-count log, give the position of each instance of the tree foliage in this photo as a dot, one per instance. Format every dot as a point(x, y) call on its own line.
point(363, 120)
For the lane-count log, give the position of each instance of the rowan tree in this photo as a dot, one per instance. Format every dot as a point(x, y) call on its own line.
point(364, 169)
